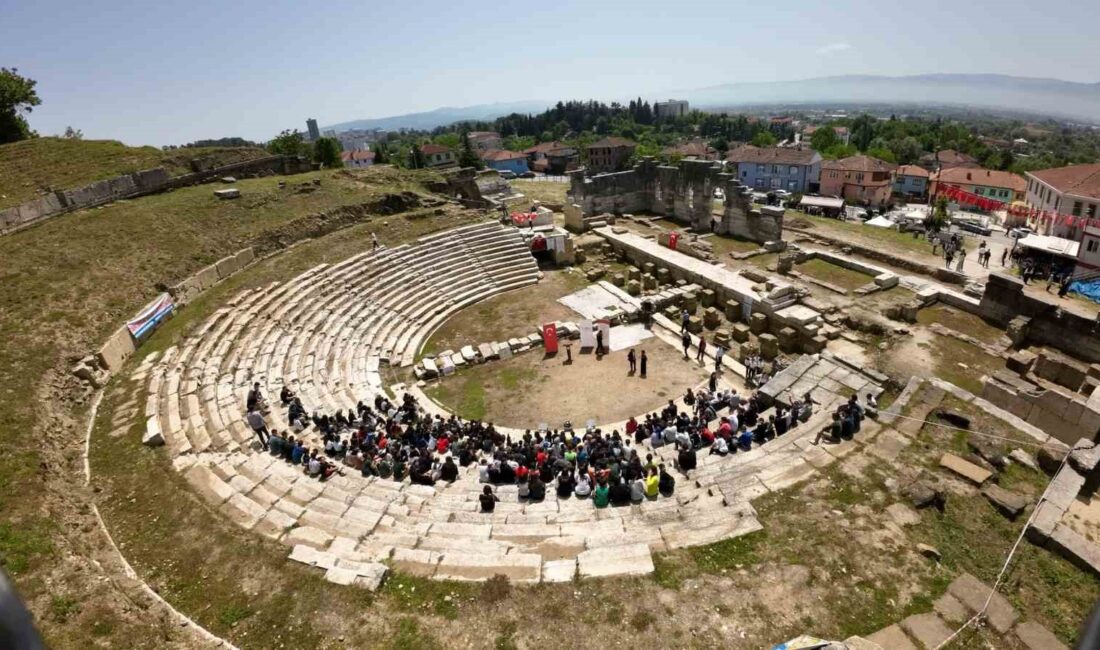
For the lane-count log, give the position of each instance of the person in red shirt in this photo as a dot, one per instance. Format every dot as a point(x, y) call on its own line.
point(724, 429)
point(442, 444)
point(706, 435)
point(521, 473)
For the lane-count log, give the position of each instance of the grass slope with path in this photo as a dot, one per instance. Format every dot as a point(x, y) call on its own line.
point(64, 286)
point(30, 166)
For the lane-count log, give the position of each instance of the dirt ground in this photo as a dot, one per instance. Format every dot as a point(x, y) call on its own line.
point(516, 313)
point(530, 388)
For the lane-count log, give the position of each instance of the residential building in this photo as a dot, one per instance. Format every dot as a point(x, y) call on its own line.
point(436, 155)
point(692, 150)
point(505, 161)
point(610, 154)
point(357, 159)
point(989, 183)
point(946, 159)
point(551, 157)
point(842, 133)
point(482, 141)
point(670, 108)
point(858, 179)
point(795, 169)
point(314, 131)
point(911, 182)
point(1073, 191)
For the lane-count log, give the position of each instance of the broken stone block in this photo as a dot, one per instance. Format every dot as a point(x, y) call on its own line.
point(788, 339)
point(758, 323)
point(733, 311)
point(662, 276)
point(1051, 457)
point(1021, 362)
point(987, 450)
point(695, 324)
point(595, 274)
point(690, 302)
point(722, 337)
point(971, 472)
point(769, 346)
point(1010, 503)
point(814, 344)
point(707, 297)
point(634, 287)
point(649, 282)
point(618, 279)
point(930, 552)
point(1085, 456)
point(740, 332)
point(922, 495)
point(1023, 458)
point(634, 273)
point(649, 268)
point(711, 318)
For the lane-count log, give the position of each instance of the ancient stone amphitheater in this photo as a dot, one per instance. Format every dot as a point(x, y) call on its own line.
point(330, 334)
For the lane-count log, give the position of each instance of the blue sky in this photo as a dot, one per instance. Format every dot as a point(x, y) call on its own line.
point(167, 73)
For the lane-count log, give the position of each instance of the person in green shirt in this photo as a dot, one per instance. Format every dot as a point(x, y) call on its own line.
point(602, 495)
point(652, 484)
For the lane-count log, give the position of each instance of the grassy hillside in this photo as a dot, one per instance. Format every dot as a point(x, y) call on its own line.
point(64, 285)
point(31, 166)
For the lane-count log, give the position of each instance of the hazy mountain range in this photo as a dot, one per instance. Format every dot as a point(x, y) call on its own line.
point(1062, 99)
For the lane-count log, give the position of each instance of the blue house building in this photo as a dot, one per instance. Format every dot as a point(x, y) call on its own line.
point(505, 161)
point(796, 169)
point(911, 182)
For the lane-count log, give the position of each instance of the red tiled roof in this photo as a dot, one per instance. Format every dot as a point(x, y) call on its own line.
point(433, 149)
point(611, 142)
point(1078, 180)
point(694, 148)
point(356, 155)
point(502, 154)
point(912, 170)
point(546, 147)
point(952, 158)
point(984, 177)
point(772, 155)
point(859, 163)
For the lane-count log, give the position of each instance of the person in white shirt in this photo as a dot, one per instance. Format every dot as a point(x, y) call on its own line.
point(584, 486)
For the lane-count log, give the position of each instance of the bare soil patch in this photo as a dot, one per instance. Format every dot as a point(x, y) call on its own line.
point(530, 388)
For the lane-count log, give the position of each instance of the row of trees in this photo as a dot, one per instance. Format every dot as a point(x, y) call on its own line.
point(323, 150)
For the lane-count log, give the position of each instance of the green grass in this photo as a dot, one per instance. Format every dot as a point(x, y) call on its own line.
point(723, 246)
point(416, 595)
point(860, 234)
point(56, 163)
point(22, 547)
point(949, 352)
point(409, 636)
point(960, 321)
point(464, 397)
point(834, 274)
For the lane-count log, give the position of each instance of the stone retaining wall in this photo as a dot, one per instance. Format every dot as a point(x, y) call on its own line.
point(133, 185)
point(1004, 300)
point(938, 272)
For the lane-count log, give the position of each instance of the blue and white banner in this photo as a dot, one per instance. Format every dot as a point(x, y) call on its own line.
point(151, 316)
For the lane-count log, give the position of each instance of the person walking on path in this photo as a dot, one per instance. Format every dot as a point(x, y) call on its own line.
point(702, 353)
point(259, 426)
point(685, 340)
point(632, 359)
point(718, 354)
point(962, 258)
point(644, 362)
point(684, 318)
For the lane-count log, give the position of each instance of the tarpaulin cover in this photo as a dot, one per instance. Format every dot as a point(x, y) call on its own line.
point(1089, 289)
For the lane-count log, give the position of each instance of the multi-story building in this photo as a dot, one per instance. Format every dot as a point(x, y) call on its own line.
point(1005, 187)
point(858, 179)
point(482, 141)
point(610, 154)
point(314, 131)
point(1072, 191)
point(670, 108)
point(911, 182)
point(436, 155)
point(795, 169)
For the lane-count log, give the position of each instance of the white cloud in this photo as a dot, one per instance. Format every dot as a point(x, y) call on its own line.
point(834, 48)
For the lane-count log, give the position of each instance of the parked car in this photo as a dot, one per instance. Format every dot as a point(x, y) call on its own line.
point(507, 174)
point(1022, 231)
point(527, 175)
point(974, 227)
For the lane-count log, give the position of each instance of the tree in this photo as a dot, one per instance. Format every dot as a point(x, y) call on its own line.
point(938, 220)
point(287, 143)
point(416, 158)
point(17, 98)
point(824, 138)
point(381, 153)
point(882, 153)
point(863, 131)
point(327, 152)
point(764, 139)
point(721, 145)
point(467, 157)
point(73, 134)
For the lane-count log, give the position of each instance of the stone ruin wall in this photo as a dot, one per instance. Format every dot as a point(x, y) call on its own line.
point(1034, 321)
point(683, 193)
point(133, 185)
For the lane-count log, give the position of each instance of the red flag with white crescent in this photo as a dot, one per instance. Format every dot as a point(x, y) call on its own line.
point(550, 338)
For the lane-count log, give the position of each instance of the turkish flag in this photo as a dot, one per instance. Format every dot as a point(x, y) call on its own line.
point(673, 239)
point(550, 338)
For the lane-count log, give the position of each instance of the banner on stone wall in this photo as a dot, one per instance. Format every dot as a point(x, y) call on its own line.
point(550, 338)
point(151, 316)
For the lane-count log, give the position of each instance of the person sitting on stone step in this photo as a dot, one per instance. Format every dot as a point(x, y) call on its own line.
point(652, 484)
point(566, 483)
point(619, 493)
point(637, 490)
point(744, 438)
point(285, 395)
point(601, 496)
point(666, 484)
point(449, 471)
point(834, 430)
point(487, 499)
point(584, 486)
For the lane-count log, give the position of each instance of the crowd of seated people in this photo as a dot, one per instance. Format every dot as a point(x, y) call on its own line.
point(399, 441)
